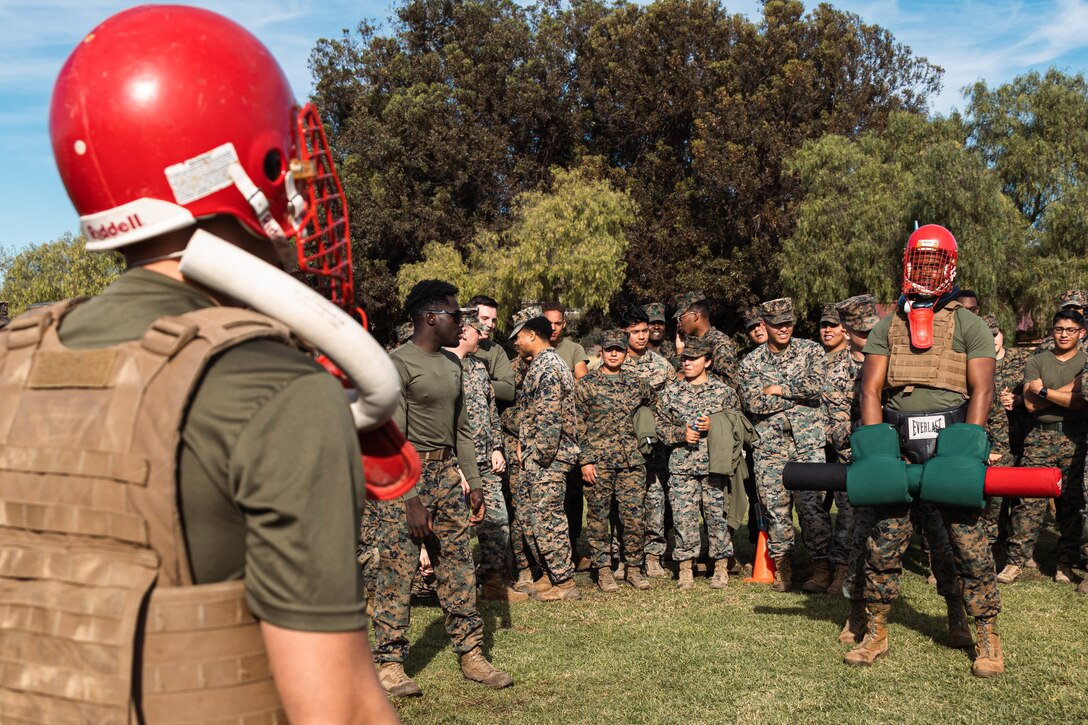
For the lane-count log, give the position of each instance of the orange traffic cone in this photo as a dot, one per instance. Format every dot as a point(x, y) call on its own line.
point(763, 568)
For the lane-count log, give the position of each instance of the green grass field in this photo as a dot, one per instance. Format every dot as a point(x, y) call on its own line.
point(748, 655)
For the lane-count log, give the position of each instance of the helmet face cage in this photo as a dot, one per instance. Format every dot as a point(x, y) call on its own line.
point(323, 239)
point(929, 262)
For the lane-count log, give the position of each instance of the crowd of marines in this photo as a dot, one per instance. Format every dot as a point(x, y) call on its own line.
point(672, 441)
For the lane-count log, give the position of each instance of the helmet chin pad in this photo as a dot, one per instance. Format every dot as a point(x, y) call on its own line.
point(920, 323)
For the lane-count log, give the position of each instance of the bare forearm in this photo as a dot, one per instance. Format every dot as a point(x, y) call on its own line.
point(326, 677)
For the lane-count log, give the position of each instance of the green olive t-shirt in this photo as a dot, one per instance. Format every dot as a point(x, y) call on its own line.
point(269, 471)
point(971, 336)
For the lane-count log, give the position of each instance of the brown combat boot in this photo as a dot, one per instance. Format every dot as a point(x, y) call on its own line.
point(820, 579)
point(396, 682)
point(582, 563)
point(959, 633)
point(620, 571)
point(837, 581)
point(989, 661)
point(605, 581)
point(687, 579)
point(783, 574)
point(475, 667)
point(495, 589)
point(854, 629)
point(875, 643)
point(1082, 588)
point(634, 578)
point(653, 566)
point(558, 592)
point(1064, 574)
point(524, 582)
point(721, 574)
point(1009, 574)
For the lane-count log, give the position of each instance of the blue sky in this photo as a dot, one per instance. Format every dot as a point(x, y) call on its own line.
point(994, 41)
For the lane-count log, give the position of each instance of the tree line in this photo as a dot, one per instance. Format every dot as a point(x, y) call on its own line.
point(606, 154)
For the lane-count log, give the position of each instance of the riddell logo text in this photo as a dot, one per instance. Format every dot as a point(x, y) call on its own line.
point(104, 231)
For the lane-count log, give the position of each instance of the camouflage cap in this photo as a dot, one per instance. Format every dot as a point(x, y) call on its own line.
point(686, 300)
point(859, 312)
point(655, 311)
point(991, 321)
point(697, 347)
point(404, 332)
point(524, 315)
point(1074, 298)
point(777, 312)
point(614, 338)
point(472, 319)
point(829, 312)
point(752, 318)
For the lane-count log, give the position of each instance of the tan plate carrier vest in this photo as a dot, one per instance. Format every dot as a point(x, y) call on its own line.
point(99, 618)
point(938, 367)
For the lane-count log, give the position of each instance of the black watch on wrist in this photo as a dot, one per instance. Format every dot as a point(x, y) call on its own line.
point(1043, 392)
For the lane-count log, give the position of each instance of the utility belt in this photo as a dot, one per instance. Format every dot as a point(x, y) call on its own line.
point(918, 429)
point(438, 454)
point(1065, 426)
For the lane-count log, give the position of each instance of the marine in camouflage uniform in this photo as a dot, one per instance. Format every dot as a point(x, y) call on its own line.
point(611, 464)
point(493, 532)
point(952, 378)
point(839, 395)
point(1057, 439)
point(692, 316)
point(692, 487)
point(659, 339)
point(792, 427)
point(858, 315)
point(510, 418)
point(431, 413)
point(548, 448)
point(656, 372)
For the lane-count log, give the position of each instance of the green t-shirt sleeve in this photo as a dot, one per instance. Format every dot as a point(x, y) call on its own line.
point(580, 354)
point(297, 478)
point(877, 344)
point(974, 334)
point(1032, 369)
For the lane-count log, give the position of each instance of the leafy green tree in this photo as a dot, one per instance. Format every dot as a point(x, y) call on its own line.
point(862, 198)
point(464, 105)
point(1033, 132)
point(56, 270)
point(568, 244)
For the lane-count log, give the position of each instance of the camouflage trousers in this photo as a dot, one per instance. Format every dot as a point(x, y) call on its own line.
point(842, 533)
point(654, 503)
point(925, 516)
point(774, 450)
point(690, 494)
point(493, 532)
point(991, 519)
point(1057, 449)
point(622, 488)
point(972, 559)
point(519, 509)
point(546, 523)
point(440, 493)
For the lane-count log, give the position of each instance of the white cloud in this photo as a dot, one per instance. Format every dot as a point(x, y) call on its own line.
point(1061, 32)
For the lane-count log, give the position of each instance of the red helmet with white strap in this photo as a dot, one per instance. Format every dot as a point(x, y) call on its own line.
point(164, 115)
point(929, 261)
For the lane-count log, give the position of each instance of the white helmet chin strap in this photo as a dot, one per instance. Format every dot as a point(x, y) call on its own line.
point(223, 267)
point(259, 203)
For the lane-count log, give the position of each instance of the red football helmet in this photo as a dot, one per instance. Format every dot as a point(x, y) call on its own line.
point(164, 115)
point(929, 262)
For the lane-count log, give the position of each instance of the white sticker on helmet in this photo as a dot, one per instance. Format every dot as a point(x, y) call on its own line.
point(202, 175)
